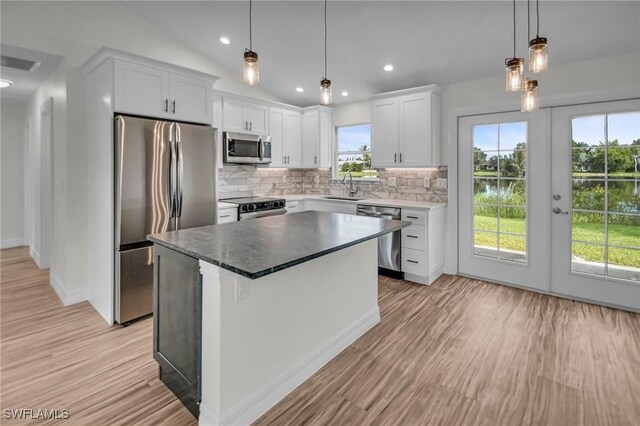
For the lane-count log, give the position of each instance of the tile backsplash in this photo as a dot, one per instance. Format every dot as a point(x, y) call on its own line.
point(396, 184)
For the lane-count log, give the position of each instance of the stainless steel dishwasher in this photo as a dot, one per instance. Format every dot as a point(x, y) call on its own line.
point(389, 259)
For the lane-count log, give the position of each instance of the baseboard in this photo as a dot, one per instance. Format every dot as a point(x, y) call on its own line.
point(254, 406)
point(35, 255)
point(12, 242)
point(66, 297)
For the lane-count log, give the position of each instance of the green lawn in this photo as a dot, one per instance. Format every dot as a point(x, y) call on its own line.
point(626, 235)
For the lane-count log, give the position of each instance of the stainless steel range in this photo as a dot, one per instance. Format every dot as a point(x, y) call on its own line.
point(256, 207)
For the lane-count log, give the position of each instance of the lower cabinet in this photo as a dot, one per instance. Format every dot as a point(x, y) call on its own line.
point(177, 324)
point(422, 245)
point(227, 215)
point(294, 206)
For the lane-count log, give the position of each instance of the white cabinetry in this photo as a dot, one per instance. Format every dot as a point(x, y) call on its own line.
point(316, 137)
point(423, 244)
point(227, 215)
point(156, 92)
point(406, 129)
point(245, 117)
point(324, 205)
point(293, 206)
point(286, 133)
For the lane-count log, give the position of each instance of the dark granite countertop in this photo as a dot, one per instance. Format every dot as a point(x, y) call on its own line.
point(259, 247)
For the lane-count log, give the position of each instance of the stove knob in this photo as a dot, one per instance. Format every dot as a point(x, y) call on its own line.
point(280, 203)
point(244, 208)
point(252, 207)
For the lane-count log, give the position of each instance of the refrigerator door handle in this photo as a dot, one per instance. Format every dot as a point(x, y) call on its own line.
point(172, 174)
point(180, 174)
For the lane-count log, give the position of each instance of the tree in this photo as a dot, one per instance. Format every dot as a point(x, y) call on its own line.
point(519, 159)
point(366, 157)
point(479, 158)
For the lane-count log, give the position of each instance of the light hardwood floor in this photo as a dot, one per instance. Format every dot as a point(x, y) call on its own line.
point(458, 352)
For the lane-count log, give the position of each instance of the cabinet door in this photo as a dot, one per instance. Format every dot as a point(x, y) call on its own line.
point(258, 118)
point(292, 139)
point(227, 216)
point(191, 99)
point(276, 124)
point(415, 130)
point(141, 90)
point(311, 139)
point(326, 140)
point(234, 115)
point(384, 133)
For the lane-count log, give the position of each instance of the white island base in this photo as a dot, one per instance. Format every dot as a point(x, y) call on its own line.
point(262, 338)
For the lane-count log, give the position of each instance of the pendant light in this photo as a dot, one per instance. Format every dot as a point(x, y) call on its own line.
point(538, 54)
point(529, 98)
point(326, 97)
point(250, 71)
point(515, 66)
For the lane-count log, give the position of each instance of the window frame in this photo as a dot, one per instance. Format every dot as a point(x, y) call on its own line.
point(334, 160)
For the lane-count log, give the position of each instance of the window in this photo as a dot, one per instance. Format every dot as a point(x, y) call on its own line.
point(499, 181)
point(606, 195)
point(353, 152)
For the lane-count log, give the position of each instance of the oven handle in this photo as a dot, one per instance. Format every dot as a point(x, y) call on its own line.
point(260, 142)
point(257, 215)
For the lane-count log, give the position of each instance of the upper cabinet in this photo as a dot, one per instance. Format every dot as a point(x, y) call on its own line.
point(286, 131)
point(156, 92)
point(406, 129)
point(245, 117)
point(316, 137)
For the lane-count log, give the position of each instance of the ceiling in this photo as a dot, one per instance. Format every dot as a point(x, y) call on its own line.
point(25, 83)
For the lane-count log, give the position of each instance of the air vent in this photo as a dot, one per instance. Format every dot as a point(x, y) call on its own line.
point(19, 64)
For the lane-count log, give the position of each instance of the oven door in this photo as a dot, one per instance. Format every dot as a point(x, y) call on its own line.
point(264, 213)
point(244, 149)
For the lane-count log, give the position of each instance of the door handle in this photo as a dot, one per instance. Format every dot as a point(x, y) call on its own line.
point(172, 179)
point(173, 106)
point(558, 210)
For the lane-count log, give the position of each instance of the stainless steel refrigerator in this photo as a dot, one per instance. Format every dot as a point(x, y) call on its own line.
point(165, 179)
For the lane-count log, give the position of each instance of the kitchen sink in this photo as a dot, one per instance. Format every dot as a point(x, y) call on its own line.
point(344, 198)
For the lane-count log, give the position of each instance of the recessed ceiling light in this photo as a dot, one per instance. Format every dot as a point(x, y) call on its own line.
point(225, 40)
point(5, 83)
point(388, 67)
point(299, 89)
point(345, 93)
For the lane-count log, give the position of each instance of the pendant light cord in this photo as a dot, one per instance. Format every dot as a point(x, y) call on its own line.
point(514, 28)
point(528, 21)
point(325, 38)
point(250, 26)
point(537, 18)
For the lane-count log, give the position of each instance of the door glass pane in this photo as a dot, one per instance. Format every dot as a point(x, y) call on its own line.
point(606, 195)
point(499, 168)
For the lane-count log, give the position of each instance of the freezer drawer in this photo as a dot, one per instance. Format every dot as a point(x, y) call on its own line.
point(134, 284)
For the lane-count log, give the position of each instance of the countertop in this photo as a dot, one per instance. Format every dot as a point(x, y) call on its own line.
point(255, 248)
point(419, 205)
point(222, 205)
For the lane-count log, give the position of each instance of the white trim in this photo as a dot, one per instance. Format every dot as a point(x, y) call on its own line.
point(46, 142)
point(12, 242)
point(254, 406)
point(453, 116)
point(35, 255)
point(432, 87)
point(66, 297)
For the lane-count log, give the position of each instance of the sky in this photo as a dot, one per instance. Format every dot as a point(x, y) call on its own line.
point(351, 138)
point(505, 136)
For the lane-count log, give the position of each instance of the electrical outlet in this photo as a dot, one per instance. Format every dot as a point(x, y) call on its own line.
point(284, 178)
point(241, 290)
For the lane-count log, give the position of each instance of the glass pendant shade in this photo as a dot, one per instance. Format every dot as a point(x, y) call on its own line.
point(326, 97)
point(538, 54)
point(529, 99)
point(514, 70)
point(250, 71)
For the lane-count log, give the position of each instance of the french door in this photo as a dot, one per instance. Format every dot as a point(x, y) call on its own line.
point(503, 182)
point(595, 227)
point(551, 200)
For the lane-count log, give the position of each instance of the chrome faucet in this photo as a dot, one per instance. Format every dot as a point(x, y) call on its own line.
point(352, 191)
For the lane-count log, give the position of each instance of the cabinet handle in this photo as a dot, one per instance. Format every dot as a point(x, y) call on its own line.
point(166, 105)
point(401, 157)
point(315, 159)
point(411, 261)
point(412, 217)
point(251, 125)
point(412, 236)
point(224, 215)
point(288, 159)
point(173, 106)
point(395, 158)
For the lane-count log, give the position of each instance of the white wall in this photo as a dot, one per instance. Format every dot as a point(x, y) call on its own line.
point(76, 31)
point(12, 115)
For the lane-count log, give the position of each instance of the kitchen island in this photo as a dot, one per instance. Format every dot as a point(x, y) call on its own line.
point(245, 312)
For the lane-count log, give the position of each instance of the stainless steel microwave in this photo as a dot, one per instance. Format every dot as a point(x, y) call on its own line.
point(242, 148)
